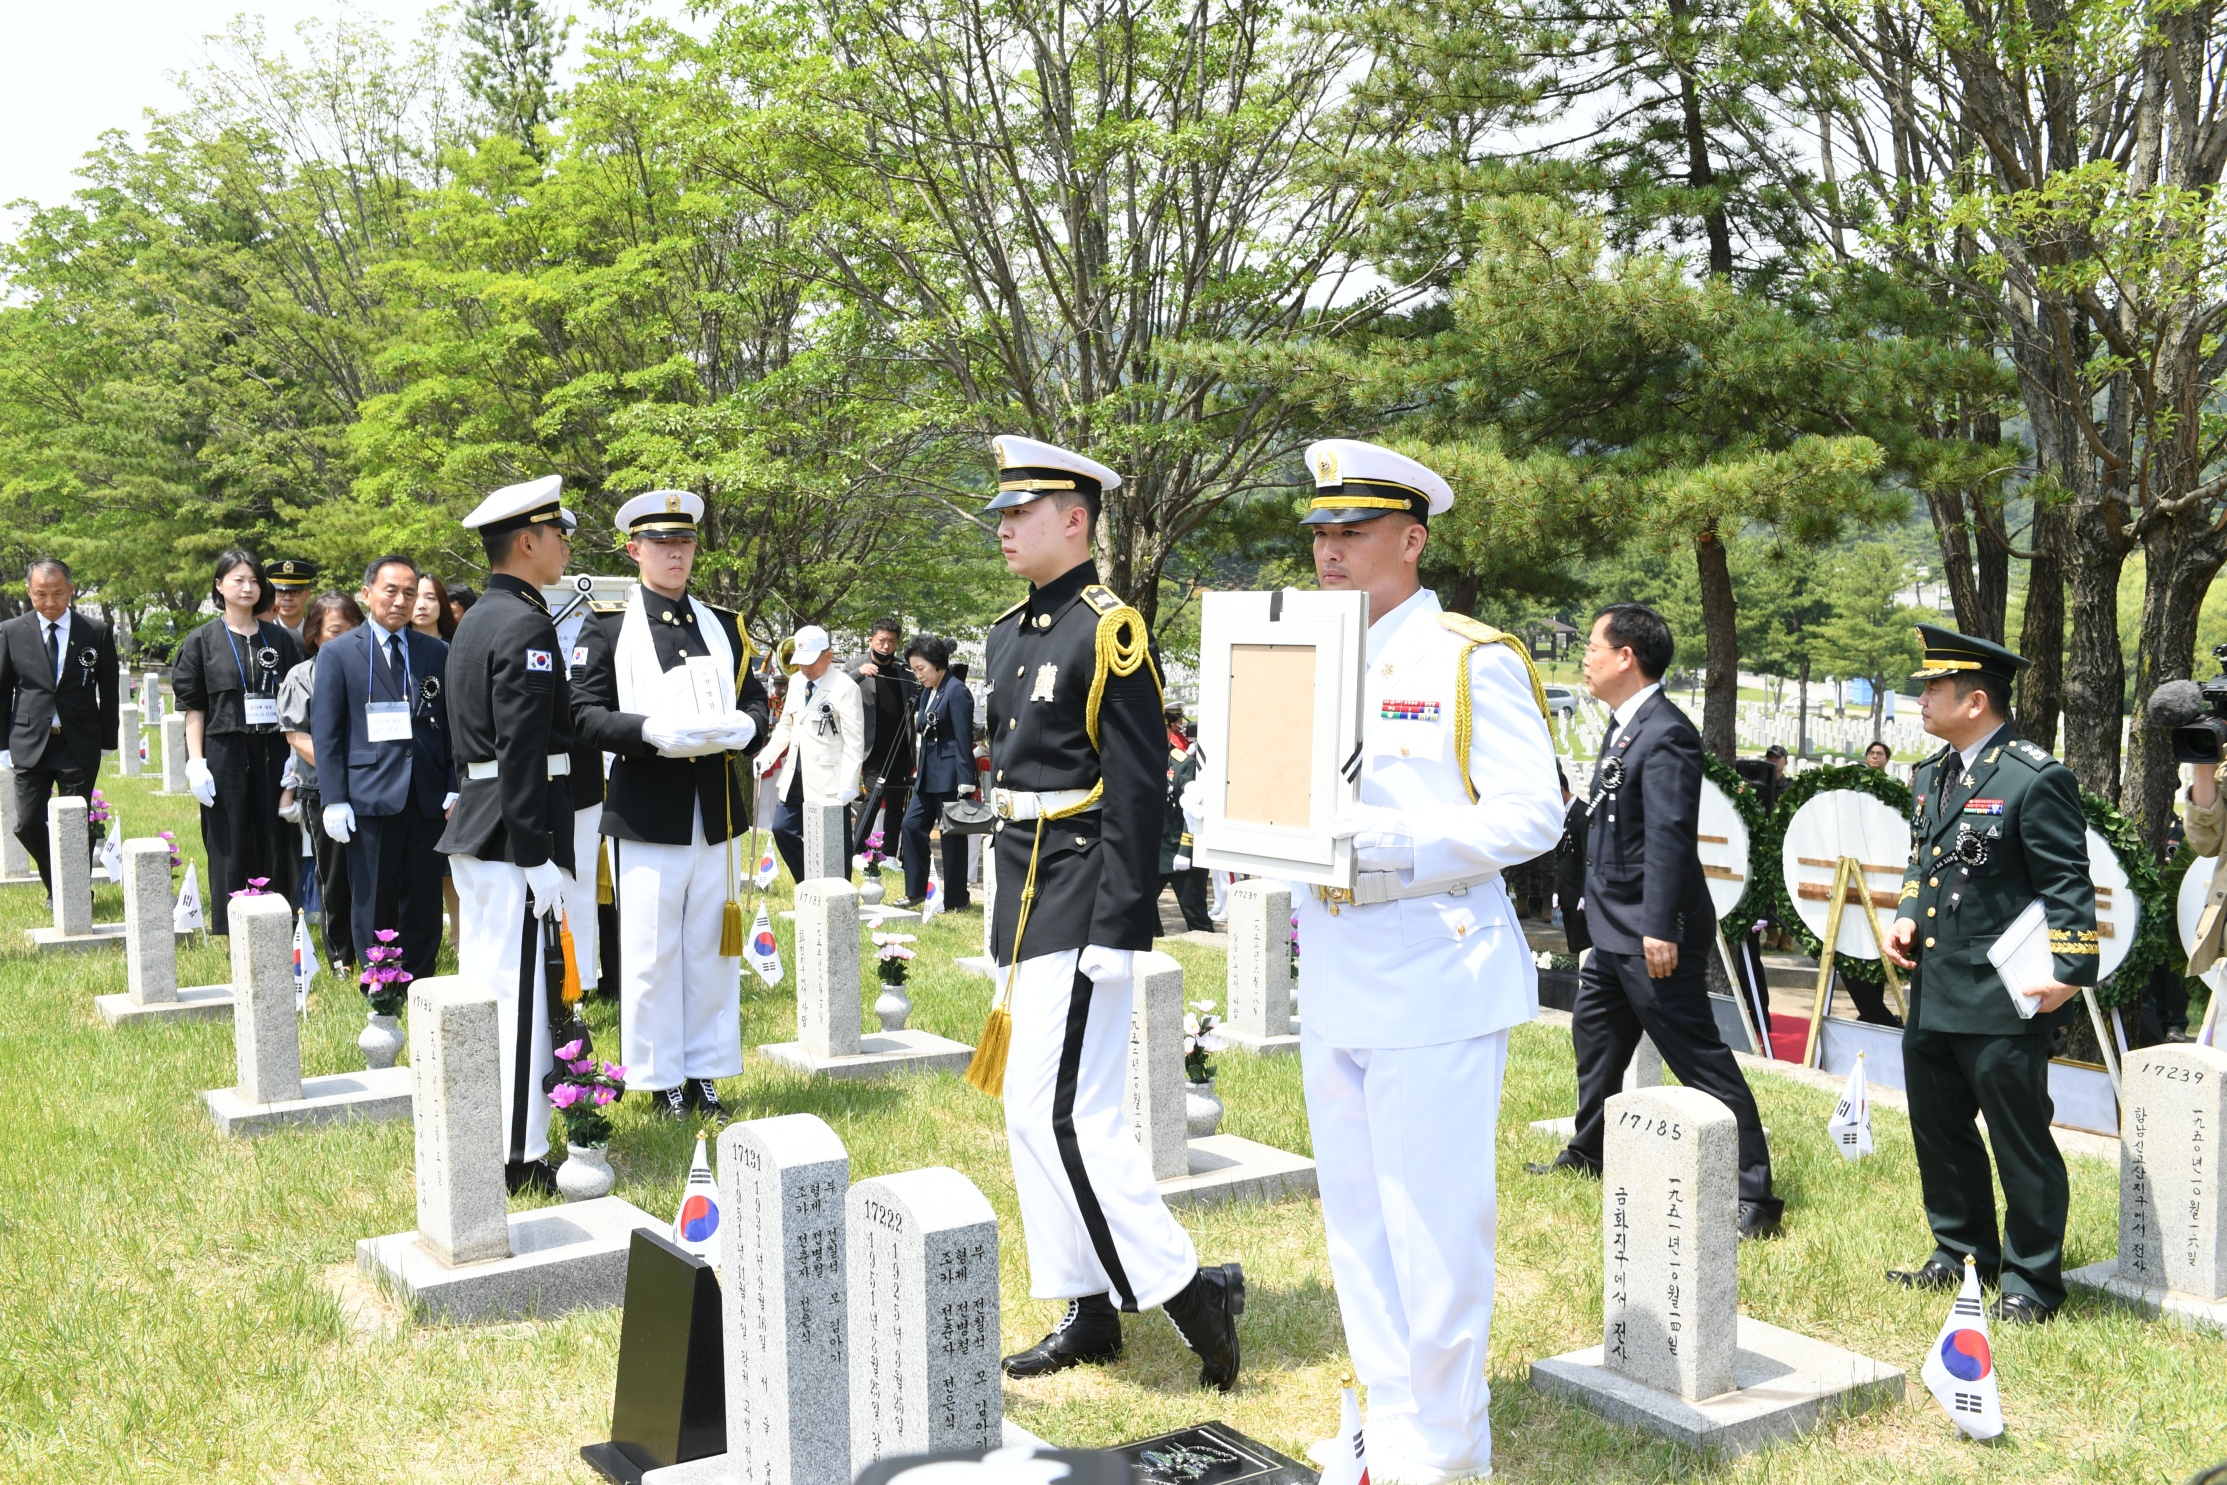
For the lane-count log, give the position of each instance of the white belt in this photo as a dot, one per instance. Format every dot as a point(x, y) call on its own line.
point(560, 764)
point(1025, 804)
point(1386, 886)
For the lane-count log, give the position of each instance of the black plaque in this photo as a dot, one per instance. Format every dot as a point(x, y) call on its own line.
point(1212, 1454)
point(670, 1405)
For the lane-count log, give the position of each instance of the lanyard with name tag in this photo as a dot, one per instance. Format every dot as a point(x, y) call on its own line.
point(259, 711)
point(386, 721)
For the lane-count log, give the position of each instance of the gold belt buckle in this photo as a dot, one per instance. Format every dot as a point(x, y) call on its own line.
point(1001, 803)
point(1334, 897)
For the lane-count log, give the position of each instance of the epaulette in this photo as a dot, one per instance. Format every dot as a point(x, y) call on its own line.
point(2033, 755)
point(1479, 634)
point(1102, 598)
point(607, 606)
point(1009, 613)
point(1472, 629)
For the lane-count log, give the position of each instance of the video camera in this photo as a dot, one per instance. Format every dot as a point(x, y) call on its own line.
point(2202, 738)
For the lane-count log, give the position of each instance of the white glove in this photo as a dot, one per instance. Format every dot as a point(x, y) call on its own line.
point(7, 760)
point(340, 822)
point(1180, 863)
point(678, 739)
point(1106, 967)
point(547, 881)
point(201, 782)
point(1381, 838)
point(448, 801)
point(736, 735)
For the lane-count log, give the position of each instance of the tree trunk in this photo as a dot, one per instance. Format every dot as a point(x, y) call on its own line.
point(1801, 722)
point(2095, 671)
point(1878, 709)
point(1700, 175)
point(1720, 628)
point(2180, 558)
point(1954, 537)
point(2041, 638)
point(1461, 597)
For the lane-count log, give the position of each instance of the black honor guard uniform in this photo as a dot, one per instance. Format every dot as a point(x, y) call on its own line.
point(509, 840)
point(1078, 775)
point(1995, 826)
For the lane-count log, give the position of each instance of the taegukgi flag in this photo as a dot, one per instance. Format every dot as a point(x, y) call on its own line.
point(1851, 1120)
point(768, 867)
point(1348, 1463)
point(762, 953)
point(185, 917)
point(305, 963)
point(696, 1224)
point(1960, 1369)
point(931, 901)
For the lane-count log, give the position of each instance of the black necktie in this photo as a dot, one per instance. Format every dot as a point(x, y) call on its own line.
point(1952, 774)
point(54, 649)
point(394, 664)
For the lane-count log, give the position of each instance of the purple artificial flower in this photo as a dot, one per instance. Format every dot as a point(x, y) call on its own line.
point(614, 1072)
point(604, 1096)
point(565, 1095)
point(585, 1067)
point(569, 1050)
point(387, 935)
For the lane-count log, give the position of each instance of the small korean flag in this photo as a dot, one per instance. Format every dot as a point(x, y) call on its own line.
point(1960, 1369)
point(1851, 1120)
point(931, 901)
point(762, 953)
point(186, 916)
point(768, 866)
point(305, 963)
point(696, 1224)
point(112, 852)
point(1348, 1461)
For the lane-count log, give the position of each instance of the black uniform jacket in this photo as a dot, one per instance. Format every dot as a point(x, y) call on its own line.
point(85, 700)
point(216, 670)
point(508, 701)
point(2008, 831)
point(1097, 873)
point(1643, 855)
point(651, 797)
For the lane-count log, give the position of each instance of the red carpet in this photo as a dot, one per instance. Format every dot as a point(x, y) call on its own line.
point(1789, 1036)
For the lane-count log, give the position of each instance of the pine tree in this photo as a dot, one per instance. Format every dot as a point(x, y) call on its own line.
point(510, 64)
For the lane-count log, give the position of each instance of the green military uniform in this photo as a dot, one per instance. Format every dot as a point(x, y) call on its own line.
point(1990, 837)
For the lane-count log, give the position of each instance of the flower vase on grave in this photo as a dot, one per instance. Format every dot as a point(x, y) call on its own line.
point(895, 955)
point(380, 1040)
point(586, 1173)
point(386, 988)
point(872, 890)
point(1202, 1109)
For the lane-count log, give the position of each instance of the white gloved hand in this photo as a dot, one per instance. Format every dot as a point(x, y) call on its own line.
point(340, 822)
point(201, 782)
point(1179, 863)
point(1382, 839)
point(676, 738)
point(448, 801)
point(737, 732)
point(7, 760)
point(547, 882)
point(1106, 967)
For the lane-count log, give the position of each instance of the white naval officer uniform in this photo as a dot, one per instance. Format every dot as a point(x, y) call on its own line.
point(1405, 1040)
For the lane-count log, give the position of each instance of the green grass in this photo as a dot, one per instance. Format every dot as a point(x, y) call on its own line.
point(168, 1310)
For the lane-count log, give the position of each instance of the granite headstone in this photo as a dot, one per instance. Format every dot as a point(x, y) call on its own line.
point(150, 942)
point(2173, 1132)
point(1155, 1092)
point(265, 1033)
point(1670, 1235)
point(456, 1091)
point(71, 859)
point(827, 993)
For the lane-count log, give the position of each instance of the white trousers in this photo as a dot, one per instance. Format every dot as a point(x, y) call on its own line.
point(579, 892)
point(680, 1001)
point(1404, 1156)
point(499, 944)
point(1090, 1209)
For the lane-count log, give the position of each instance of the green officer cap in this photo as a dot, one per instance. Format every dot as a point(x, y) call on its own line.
point(1950, 653)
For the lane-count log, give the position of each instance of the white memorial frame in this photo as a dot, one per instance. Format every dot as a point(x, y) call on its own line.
point(1335, 626)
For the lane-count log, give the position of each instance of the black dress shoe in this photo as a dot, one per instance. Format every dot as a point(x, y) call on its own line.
point(1933, 1275)
point(703, 1096)
point(669, 1103)
point(1089, 1334)
point(1755, 1222)
point(1568, 1160)
point(537, 1176)
point(1205, 1315)
point(2020, 1309)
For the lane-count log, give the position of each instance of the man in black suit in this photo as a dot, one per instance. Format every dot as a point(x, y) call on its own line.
point(943, 722)
point(891, 699)
point(58, 675)
point(379, 719)
point(1647, 908)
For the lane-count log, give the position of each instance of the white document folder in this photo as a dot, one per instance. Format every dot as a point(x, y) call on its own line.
point(2022, 957)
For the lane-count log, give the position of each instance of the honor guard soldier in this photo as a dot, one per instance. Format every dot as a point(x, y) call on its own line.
point(1077, 763)
point(665, 686)
point(593, 893)
point(291, 579)
point(1995, 824)
point(1420, 970)
point(509, 839)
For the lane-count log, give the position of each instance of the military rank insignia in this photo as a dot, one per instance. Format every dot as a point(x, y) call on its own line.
point(1408, 711)
point(1047, 676)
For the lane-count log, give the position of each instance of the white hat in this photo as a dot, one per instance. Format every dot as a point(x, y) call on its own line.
point(528, 504)
point(1029, 467)
point(1357, 481)
point(810, 644)
point(661, 513)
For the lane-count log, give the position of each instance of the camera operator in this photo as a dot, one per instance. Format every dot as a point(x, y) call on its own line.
point(2194, 714)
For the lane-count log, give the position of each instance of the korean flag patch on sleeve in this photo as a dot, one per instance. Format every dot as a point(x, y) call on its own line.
point(579, 656)
point(540, 660)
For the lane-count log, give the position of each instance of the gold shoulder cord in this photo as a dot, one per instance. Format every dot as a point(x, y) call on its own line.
point(1464, 724)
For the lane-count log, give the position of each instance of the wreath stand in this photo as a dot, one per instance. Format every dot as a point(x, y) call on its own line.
point(1848, 874)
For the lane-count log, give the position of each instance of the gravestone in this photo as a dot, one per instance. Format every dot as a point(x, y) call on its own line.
point(16, 866)
point(1190, 1172)
point(266, 1036)
point(924, 1316)
point(1677, 1357)
point(829, 1042)
point(151, 949)
point(467, 1259)
point(127, 740)
point(174, 756)
point(150, 699)
point(70, 857)
point(1259, 985)
point(827, 843)
point(782, 1184)
point(2172, 1256)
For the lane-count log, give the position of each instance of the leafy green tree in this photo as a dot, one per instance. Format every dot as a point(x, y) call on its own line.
point(1869, 634)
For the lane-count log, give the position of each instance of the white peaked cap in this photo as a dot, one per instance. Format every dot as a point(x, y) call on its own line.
point(1356, 481)
point(525, 504)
